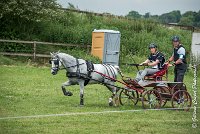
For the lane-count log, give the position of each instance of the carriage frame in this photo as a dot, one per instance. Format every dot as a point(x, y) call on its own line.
point(156, 93)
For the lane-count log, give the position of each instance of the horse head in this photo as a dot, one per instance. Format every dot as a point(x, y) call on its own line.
point(55, 63)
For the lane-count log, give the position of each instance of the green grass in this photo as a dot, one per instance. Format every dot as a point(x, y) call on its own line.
point(27, 90)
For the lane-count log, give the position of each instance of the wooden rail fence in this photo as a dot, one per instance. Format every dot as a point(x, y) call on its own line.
point(35, 43)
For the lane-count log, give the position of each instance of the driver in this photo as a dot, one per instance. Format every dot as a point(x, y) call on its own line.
point(155, 60)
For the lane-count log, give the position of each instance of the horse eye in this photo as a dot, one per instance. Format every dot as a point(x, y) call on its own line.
point(50, 62)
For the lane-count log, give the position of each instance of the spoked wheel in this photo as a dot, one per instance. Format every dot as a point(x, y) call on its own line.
point(163, 90)
point(181, 100)
point(128, 97)
point(151, 99)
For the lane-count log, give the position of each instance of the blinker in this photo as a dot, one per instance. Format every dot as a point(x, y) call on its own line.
point(56, 62)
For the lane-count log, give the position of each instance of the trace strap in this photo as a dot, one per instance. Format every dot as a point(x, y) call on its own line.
point(79, 75)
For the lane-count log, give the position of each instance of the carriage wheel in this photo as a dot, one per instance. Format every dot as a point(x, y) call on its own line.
point(128, 97)
point(151, 99)
point(181, 100)
point(163, 90)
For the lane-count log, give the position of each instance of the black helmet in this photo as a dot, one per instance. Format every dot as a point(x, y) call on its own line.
point(175, 39)
point(152, 45)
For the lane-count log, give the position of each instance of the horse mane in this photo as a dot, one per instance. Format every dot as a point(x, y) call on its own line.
point(66, 55)
point(68, 59)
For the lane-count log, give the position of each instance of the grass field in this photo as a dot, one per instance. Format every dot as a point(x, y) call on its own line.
point(28, 91)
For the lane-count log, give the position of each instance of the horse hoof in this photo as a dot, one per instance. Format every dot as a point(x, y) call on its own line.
point(68, 94)
point(110, 102)
point(81, 105)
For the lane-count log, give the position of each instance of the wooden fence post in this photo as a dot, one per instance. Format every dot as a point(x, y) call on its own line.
point(34, 50)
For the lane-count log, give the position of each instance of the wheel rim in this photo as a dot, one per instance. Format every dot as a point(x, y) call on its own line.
point(128, 97)
point(181, 100)
point(151, 99)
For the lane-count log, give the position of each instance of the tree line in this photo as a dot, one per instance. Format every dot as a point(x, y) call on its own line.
point(189, 18)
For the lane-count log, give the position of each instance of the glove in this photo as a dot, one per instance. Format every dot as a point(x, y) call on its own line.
point(144, 64)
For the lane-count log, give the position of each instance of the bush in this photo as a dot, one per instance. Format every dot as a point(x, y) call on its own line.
point(76, 28)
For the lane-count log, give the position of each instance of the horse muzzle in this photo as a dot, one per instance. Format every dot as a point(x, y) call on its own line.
point(54, 71)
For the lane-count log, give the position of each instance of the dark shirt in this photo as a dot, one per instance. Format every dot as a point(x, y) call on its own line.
point(179, 53)
point(157, 56)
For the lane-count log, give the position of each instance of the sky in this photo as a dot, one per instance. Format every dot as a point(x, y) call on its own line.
point(122, 7)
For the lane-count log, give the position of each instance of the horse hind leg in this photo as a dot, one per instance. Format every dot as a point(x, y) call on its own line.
point(114, 99)
point(65, 92)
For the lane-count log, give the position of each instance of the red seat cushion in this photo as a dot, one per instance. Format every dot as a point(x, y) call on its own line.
point(160, 72)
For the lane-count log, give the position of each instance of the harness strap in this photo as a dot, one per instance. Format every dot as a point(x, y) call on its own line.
point(106, 69)
point(77, 74)
point(90, 68)
point(78, 69)
point(71, 74)
point(75, 65)
point(110, 70)
point(113, 71)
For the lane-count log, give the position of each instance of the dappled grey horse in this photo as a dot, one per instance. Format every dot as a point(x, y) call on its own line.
point(82, 72)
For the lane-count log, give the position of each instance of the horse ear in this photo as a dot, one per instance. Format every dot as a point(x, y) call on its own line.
point(51, 53)
point(58, 52)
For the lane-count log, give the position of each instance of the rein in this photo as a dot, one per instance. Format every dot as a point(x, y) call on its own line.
point(74, 65)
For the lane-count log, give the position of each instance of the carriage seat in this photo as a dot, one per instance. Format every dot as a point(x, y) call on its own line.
point(158, 76)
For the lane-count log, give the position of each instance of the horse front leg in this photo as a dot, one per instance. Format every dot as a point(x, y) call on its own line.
point(65, 92)
point(81, 83)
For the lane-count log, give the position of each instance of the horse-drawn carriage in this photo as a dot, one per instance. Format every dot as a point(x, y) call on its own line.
point(155, 94)
point(157, 91)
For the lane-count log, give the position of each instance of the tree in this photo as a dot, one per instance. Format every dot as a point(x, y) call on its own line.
point(71, 6)
point(197, 17)
point(197, 20)
point(171, 17)
point(27, 9)
point(133, 14)
point(189, 14)
point(186, 21)
point(188, 18)
point(147, 15)
point(20, 18)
